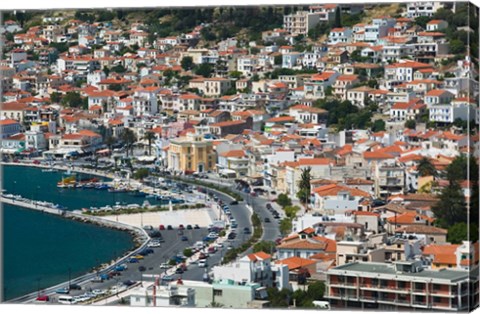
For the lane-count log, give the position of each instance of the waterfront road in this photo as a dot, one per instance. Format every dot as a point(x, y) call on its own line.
point(171, 246)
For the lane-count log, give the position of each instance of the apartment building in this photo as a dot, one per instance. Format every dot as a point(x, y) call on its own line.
point(403, 285)
point(300, 22)
point(429, 8)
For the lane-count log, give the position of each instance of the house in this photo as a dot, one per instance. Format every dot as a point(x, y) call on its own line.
point(234, 161)
point(436, 25)
point(404, 111)
point(334, 199)
point(304, 244)
point(426, 8)
point(438, 97)
point(164, 296)
point(307, 114)
point(451, 110)
point(343, 83)
point(319, 167)
point(452, 256)
point(359, 96)
point(254, 268)
point(315, 86)
point(340, 35)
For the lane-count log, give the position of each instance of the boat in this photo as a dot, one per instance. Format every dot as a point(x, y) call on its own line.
point(67, 182)
point(102, 187)
point(138, 194)
point(117, 190)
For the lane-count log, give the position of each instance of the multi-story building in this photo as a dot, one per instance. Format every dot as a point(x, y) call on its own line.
point(428, 8)
point(403, 285)
point(300, 22)
point(254, 268)
point(191, 153)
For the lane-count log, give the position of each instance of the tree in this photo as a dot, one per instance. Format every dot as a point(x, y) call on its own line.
point(149, 136)
point(119, 69)
point(338, 18)
point(462, 232)
point(279, 299)
point(378, 125)
point(291, 211)
point(235, 74)
point(128, 138)
point(450, 208)
point(72, 99)
point(204, 70)
point(426, 168)
point(457, 46)
point(115, 87)
point(187, 252)
point(55, 97)
point(283, 200)
point(422, 21)
point(187, 63)
point(411, 124)
point(304, 185)
point(285, 226)
point(264, 246)
point(141, 174)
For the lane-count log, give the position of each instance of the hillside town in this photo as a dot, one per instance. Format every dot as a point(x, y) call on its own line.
point(357, 124)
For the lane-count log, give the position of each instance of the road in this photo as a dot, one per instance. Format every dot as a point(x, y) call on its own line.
point(171, 246)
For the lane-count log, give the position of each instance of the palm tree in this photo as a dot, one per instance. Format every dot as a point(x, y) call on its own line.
point(304, 185)
point(128, 137)
point(149, 136)
point(426, 168)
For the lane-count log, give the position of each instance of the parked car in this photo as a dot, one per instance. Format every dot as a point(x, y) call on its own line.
point(189, 227)
point(141, 268)
point(267, 220)
point(74, 286)
point(181, 227)
point(43, 298)
point(196, 227)
point(169, 227)
point(202, 263)
point(129, 283)
point(133, 260)
point(164, 266)
point(184, 238)
point(234, 203)
point(246, 230)
point(161, 227)
point(179, 270)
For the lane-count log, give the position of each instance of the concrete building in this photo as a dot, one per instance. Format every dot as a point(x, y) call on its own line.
point(190, 154)
point(300, 22)
point(254, 268)
point(173, 295)
point(401, 285)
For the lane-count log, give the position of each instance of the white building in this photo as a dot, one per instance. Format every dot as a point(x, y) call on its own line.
point(254, 268)
point(163, 296)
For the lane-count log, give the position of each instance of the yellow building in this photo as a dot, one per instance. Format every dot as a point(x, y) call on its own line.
point(191, 153)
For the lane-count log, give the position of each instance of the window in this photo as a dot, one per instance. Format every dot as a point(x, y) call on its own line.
point(217, 293)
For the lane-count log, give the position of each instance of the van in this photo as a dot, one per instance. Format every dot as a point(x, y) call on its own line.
point(66, 299)
point(322, 305)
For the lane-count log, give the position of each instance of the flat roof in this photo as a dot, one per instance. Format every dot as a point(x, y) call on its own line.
point(389, 269)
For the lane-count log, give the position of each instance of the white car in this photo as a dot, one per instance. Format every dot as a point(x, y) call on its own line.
point(165, 266)
point(154, 244)
point(212, 235)
point(202, 263)
point(98, 292)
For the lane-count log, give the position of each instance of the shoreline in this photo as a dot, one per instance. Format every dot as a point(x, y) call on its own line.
point(139, 236)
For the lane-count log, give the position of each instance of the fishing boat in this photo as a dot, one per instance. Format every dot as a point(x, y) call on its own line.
point(67, 182)
point(117, 190)
point(138, 194)
point(102, 187)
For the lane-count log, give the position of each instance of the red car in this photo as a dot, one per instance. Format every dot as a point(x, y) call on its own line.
point(161, 227)
point(43, 298)
point(36, 162)
point(181, 227)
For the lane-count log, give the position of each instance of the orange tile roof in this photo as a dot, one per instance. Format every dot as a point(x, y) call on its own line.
point(281, 119)
point(296, 262)
point(228, 123)
point(234, 153)
point(408, 218)
point(334, 189)
point(8, 122)
point(377, 155)
point(436, 92)
point(258, 256)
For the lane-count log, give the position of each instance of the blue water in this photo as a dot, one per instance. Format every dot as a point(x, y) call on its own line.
point(39, 249)
point(34, 184)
